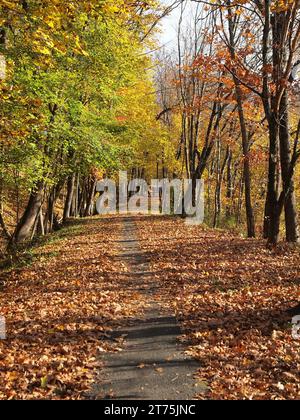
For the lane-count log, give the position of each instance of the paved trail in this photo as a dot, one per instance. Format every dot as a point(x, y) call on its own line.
point(153, 364)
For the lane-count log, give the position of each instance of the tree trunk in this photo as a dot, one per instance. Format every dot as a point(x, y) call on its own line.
point(274, 229)
point(244, 132)
point(82, 198)
point(69, 197)
point(240, 202)
point(48, 222)
point(292, 229)
point(292, 233)
point(229, 191)
point(278, 119)
point(41, 226)
point(53, 196)
point(24, 228)
point(221, 170)
point(90, 197)
point(272, 216)
point(266, 218)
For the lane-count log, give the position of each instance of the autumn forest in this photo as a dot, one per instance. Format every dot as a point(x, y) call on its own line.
point(147, 306)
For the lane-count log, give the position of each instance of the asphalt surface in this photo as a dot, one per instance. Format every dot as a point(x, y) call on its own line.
point(153, 364)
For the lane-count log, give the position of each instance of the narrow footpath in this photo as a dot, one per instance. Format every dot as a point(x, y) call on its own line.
point(153, 364)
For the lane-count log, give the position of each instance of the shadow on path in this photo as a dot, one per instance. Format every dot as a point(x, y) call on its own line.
point(152, 365)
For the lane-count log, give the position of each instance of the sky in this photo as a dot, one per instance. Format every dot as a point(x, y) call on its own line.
point(169, 24)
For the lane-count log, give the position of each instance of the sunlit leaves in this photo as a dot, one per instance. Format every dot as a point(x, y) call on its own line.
point(230, 295)
point(78, 59)
point(61, 311)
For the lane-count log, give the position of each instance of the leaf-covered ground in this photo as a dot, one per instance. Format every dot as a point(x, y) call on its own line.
point(231, 295)
point(59, 312)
